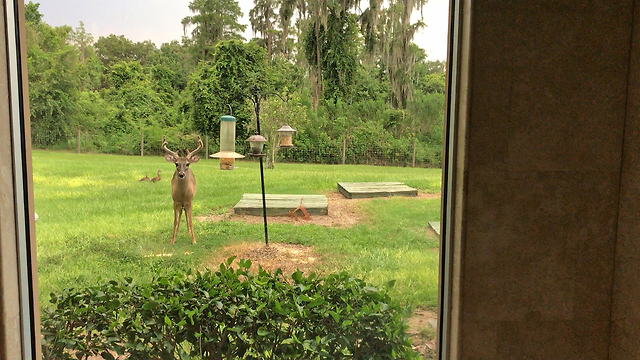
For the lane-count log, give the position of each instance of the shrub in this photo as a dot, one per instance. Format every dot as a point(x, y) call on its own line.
point(227, 314)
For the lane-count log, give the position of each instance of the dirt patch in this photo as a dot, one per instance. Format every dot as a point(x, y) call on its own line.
point(288, 257)
point(423, 325)
point(343, 212)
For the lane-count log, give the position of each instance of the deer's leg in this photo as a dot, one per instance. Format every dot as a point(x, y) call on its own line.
point(177, 214)
point(188, 214)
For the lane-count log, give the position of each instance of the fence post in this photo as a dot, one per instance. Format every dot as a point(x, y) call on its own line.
point(344, 149)
point(78, 141)
point(413, 159)
point(206, 147)
point(273, 154)
point(141, 143)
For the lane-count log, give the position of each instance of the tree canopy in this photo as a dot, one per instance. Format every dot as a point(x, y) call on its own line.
point(342, 72)
point(213, 20)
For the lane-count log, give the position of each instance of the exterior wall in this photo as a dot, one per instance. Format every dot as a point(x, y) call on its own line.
point(547, 102)
point(625, 317)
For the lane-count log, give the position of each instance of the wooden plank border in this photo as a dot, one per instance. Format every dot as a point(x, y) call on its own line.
point(280, 204)
point(362, 190)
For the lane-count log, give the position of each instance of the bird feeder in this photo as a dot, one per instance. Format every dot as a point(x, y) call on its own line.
point(286, 136)
point(256, 144)
point(227, 154)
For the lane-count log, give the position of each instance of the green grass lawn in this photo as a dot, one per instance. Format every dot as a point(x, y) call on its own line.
point(97, 222)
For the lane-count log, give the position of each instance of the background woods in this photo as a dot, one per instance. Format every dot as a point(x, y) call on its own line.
point(356, 87)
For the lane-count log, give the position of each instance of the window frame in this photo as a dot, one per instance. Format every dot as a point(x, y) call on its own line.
point(20, 327)
point(22, 256)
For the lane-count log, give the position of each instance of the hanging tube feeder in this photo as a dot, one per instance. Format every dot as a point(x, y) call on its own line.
point(227, 154)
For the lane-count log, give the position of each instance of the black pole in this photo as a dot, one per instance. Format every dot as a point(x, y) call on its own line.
point(264, 201)
point(264, 205)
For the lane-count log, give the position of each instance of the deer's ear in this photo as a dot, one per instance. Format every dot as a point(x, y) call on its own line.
point(169, 158)
point(194, 159)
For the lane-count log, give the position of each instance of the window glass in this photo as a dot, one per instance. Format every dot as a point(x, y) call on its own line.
point(160, 134)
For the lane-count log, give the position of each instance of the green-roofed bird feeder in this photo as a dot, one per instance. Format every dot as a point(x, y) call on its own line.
point(227, 154)
point(286, 136)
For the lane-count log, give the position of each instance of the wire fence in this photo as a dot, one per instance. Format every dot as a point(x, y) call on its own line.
point(331, 151)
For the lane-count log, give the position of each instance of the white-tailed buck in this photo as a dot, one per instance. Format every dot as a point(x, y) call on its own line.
point(183, 187)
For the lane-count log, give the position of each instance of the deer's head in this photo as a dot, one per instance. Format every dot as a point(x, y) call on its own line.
point(182, 163)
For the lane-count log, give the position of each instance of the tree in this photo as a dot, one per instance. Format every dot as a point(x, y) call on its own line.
point(349, 85)
point(285, 14)
point(285, 76)
point(237, 69)
point(112, 49)
point(369, 27)
point(176, 58)
point(32, 13)
point(115, 48)
point(313, 46)
point(430, 76)
point(337, 40)
point(213, 21)
point(425, 113)
point(321, 38)
point(140, 106)
point(263, 18)
point(274, 114)
point(53, 79)
point(339, 53)
point(399, 54)
point(89, 67)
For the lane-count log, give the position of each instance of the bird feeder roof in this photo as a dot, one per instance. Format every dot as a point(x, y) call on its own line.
point(286, 128)
point(257, 138)
point(227, 155)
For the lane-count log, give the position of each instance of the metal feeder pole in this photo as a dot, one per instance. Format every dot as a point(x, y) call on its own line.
point(264, 201)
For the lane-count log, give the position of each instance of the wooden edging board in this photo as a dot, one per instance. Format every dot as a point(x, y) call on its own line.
point(361, 190)
point(281, 204)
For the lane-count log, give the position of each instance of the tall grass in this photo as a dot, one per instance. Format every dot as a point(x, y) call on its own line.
point(97, 222)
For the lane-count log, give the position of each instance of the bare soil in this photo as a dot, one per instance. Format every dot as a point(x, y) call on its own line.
point(287, 257)
point(343, 213)
point(422, 329)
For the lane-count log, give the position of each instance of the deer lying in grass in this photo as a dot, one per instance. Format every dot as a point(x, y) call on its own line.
point(183, 187)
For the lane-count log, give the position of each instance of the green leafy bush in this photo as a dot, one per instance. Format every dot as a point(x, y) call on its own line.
point(227, 314)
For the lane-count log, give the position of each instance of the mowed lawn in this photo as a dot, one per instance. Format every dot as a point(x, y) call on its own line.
point(97, 222)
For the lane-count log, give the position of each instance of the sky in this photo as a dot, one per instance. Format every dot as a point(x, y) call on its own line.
point(159, 20)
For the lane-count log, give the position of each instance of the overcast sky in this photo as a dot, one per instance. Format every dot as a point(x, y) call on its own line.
point(159, 20)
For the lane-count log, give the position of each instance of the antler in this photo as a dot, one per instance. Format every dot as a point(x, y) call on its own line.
point(189, 153)
point(164, 146)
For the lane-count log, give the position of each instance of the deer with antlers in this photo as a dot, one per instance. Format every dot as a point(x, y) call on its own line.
point(183, 187)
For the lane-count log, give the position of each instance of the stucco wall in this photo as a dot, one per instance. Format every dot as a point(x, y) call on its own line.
point(547, 104)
